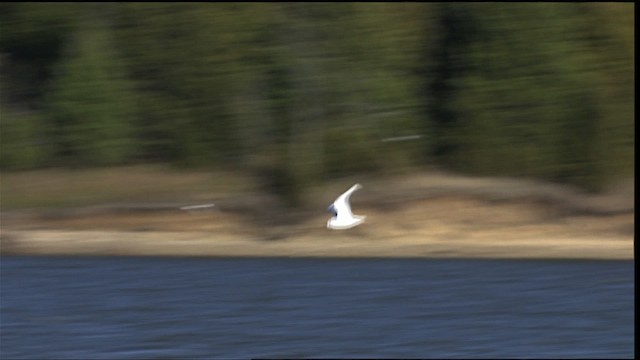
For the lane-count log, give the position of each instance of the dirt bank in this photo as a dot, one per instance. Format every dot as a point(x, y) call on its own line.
point(428, 217)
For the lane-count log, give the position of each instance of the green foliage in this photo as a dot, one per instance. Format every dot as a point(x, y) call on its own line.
point(349, 151)
point(32, 35)
point(92, 104)
point(22, 145)
point(303, 92)
point(527, 99)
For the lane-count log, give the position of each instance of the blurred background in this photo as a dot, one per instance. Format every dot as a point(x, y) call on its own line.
point(151, 106)
point(294, 94)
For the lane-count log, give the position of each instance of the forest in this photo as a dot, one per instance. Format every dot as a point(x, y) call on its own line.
point(298, 93)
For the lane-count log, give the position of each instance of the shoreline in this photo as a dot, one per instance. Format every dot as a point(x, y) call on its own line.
point(436, 228)
point(105, 244)
point(422, 215)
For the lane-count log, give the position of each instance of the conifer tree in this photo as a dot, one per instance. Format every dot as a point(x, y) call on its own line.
point(92, 101)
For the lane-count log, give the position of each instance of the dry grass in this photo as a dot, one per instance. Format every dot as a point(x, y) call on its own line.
point(443, 227)
point(425, 215)
point(84, 187)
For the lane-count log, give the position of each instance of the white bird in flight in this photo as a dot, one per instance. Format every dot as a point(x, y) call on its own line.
point(343, 217)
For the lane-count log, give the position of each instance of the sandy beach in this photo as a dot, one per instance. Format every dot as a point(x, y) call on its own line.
point(429, 221)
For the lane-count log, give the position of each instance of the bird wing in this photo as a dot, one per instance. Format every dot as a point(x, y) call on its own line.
point(342, 206)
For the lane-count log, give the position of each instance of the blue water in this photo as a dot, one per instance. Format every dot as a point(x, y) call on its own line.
point(185, 308)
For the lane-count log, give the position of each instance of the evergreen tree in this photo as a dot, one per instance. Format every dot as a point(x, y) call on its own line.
point(22, 145)
point(305, 92)
point(92, 102)
point(520, 93)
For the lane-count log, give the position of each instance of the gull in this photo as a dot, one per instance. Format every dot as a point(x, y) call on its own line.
point(343, 217)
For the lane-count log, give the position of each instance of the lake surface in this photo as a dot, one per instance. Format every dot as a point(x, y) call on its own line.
point(197, 308)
